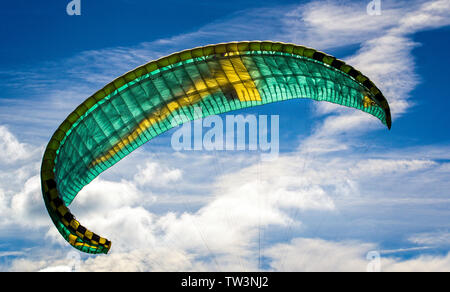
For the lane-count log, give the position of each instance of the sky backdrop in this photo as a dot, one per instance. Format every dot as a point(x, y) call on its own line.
point(343, 185)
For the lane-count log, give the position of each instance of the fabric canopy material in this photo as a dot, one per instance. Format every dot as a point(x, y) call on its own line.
point(140, 105)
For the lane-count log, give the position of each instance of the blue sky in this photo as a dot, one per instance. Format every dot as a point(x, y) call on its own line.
point(345, 186)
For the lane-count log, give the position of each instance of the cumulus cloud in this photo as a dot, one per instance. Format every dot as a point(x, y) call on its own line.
point(225, 223)
point(27, 205)
point(311, 255)
point(12, 150)
point(158, 259)
point(20, 190)
point(222, 234)
point(103, 195)
point(157, 175)
point(299, 254)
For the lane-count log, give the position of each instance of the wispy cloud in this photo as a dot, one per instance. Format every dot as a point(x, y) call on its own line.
point(437, 239)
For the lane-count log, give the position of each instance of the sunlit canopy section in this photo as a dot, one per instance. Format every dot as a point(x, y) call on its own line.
point(142, 104)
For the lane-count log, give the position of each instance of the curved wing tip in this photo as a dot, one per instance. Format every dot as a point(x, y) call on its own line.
point(108, 249)
point(389, 120)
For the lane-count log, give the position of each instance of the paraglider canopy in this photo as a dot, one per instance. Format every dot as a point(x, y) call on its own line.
point(140, 105)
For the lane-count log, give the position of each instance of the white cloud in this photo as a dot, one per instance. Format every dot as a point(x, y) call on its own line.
point(11, 253)
point(12, 150)
point(432, 14)
point(20, 193)
point(308, 255)
point(300, 254)
point(4, 204)
point(157, 175)
point(227, 220)
point(27, 265)
point(157, 259)
point(27, 206)
point(103, 195)
point(384, 167)
point(431, 239)
point(221, 235)
point(328, 24)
